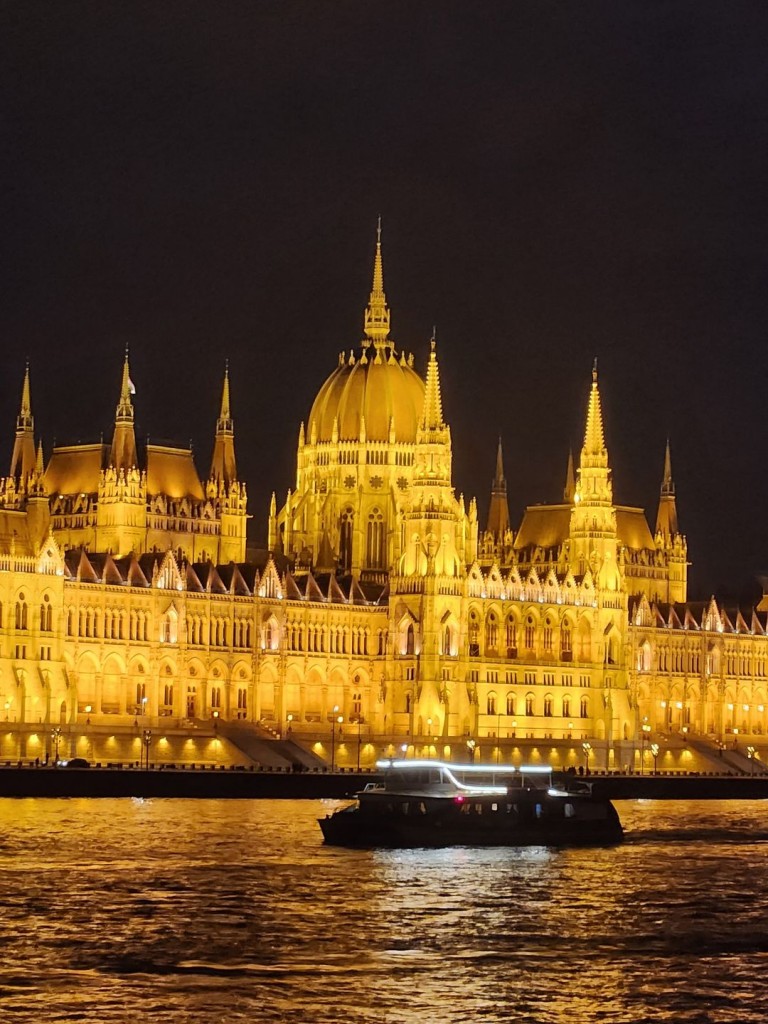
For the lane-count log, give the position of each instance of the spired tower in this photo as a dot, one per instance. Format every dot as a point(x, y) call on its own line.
point(121, 512)
point(669, 540)
point(356, 465)
point(593, 532)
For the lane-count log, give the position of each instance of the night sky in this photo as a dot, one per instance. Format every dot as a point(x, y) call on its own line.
point(556, 180)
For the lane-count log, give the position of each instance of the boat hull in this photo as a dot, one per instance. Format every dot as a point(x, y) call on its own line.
point(358, 830)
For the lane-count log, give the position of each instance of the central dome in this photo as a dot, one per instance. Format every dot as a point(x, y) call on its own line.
point(378, 386)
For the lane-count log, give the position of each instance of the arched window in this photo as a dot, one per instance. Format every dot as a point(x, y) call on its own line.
point(346, 528)
point(407, 703)
point(447, 641)
point(169, 627)
point(643, 657)
point(566, 641)
point(491, 704)
point(491, 634)
point(530, 633)
point(510, 704)
point(410, 639)
point(511, 637)
point(168, 695)
point(548, 636)
point(46, 615)
point(566, 707)
point(548, 706)
point(584, 707)
point(529, 704)
point(216, 697)
point(141, 694)
point(21, 613)
point(376, 541)
point(473, 635)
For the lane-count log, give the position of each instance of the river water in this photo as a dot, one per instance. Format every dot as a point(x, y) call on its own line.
point(136, 912)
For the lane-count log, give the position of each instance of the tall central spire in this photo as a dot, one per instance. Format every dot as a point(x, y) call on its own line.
point(376, 321)
point(123, 454)
point(498, 511)
point(23, 458)
point(594, 452)
point(223, 464)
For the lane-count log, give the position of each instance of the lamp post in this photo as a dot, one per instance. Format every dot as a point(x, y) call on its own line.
point(655, 752)
point(56, 734)
point(289, 730)
point(751, 756)
point(587, 748)
point(359, 731)
point(147, 736)
point(645, 736)
point(471, 744)
point(339, 719)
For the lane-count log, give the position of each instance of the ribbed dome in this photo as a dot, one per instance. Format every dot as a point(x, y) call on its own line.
point(383, 390)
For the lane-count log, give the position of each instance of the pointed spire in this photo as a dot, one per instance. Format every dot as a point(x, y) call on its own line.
point(667, 483)
point(666, 517)
point(23, 457)
point(570, 480)
point(123, 453)
point(432, 414)
point(499, 481)
point(223, 464)
point(376, 320)
point(225, 413)
point(39, 464)
point(498, 511)
point(594, 439)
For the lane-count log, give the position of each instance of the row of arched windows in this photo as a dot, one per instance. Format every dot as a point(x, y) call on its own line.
point(551, 707)
point(504, 642)
point(319, 639)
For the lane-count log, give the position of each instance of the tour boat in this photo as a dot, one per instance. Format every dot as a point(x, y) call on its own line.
point(433, 803)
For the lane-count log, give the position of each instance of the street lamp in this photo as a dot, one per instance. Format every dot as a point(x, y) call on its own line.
point(471, 744)
point(587, 748)
point(751, 756)
point(360, 721)
point(56, 734)
point(644, 738)
point(147, 741)
point(289, 730)
point(655, 752)
point(336, 718)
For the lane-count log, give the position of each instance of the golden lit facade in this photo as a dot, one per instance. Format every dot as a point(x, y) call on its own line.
point(382, 617)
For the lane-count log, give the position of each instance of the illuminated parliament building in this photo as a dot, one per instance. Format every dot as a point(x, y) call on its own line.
point(381, 617)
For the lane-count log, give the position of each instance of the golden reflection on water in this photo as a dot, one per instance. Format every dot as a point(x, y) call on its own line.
point(171, 910)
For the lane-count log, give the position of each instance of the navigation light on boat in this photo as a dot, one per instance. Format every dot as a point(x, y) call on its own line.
point(458, 799)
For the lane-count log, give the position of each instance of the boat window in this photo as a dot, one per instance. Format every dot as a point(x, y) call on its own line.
point(404, 807)
point(422, 807)
point(494, 807)
point(570, 811)
point(478, 808)
point(539, 810)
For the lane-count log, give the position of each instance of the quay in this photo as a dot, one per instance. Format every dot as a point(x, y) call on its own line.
point(237, 782)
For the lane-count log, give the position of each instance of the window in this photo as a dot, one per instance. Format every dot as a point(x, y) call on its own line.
point(529, 704)
point(511, 637)
point(168, 695)
point(530, 633)
point(584, 707)
point(566, 707)
point(141, 694)
point(548, 706)
point(566, 642)
point(21, 613)
point(473, 635)
point(491, 634)
point(215, 696)
point(510, 704)
point(346, 529)
point(491, 704)
point(46, 615)
point(410, 639)
point(548, 637)
point(376, 541)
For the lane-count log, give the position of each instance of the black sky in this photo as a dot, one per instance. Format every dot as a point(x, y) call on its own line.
point(557, 180)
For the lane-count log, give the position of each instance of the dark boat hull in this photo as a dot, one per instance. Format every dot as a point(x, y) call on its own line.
point(350, 828)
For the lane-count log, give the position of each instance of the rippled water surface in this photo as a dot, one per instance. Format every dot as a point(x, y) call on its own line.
point(168, 910)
